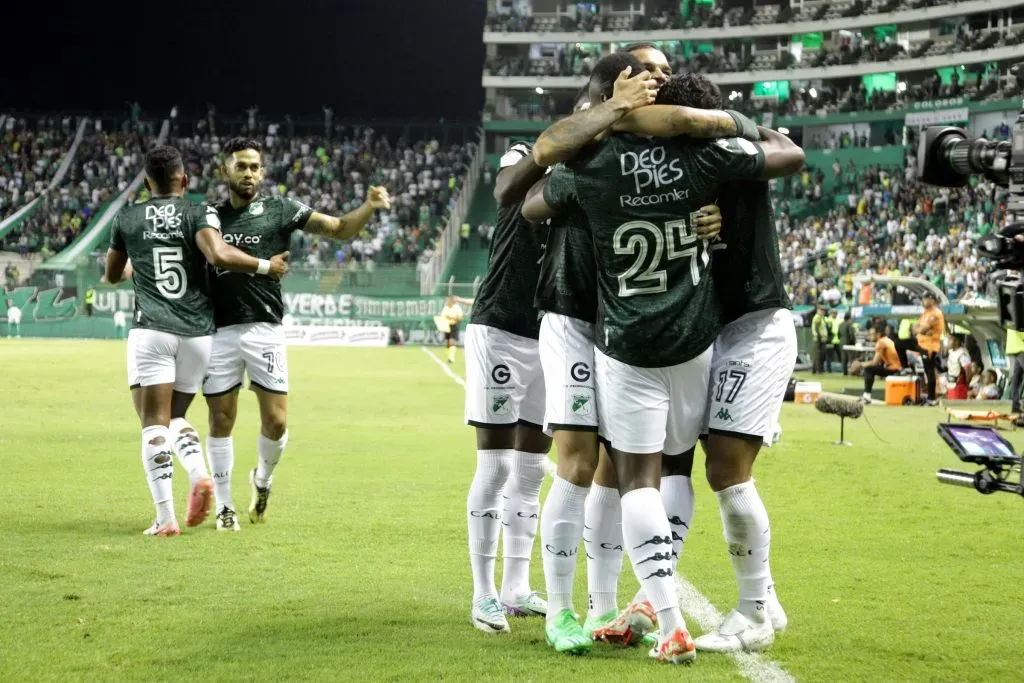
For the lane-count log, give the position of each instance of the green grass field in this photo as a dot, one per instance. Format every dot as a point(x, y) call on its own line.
point(361, 571)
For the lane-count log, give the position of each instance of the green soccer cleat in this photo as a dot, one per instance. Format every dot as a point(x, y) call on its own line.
point(566, 635)
point(594, 623)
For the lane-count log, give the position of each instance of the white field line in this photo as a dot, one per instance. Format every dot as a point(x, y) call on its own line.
point(447, 370)
point(752, 666)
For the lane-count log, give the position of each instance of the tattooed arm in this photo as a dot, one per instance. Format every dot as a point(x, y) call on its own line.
point(562, 140)
point(668, 121)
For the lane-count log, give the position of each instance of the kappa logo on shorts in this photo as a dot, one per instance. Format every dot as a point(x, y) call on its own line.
point(501, 374)
point(723, 414)
point(581, 404)
point(580, 372)
point(499, 404)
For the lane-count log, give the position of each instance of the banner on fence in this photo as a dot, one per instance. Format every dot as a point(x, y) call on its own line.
point(320, 335)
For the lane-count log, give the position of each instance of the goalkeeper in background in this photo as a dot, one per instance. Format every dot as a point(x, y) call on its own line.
point(449, 321)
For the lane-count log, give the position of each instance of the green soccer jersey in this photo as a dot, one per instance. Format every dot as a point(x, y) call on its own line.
point(172, 290)
point(657, 305)
point(568, 272)
point(262, 229)
point(505, 297)
point(752, 249)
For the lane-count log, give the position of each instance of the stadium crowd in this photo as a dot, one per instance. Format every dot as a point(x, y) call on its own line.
point(888, 224)
point(30, 153)
point(331, 176)
point(424, 178)
point(665, 14)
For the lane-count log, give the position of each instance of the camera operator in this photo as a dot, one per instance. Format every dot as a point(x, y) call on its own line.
point(886, 361)
point(926, 339)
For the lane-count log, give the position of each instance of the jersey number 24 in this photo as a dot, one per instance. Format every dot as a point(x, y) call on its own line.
point(652, 247)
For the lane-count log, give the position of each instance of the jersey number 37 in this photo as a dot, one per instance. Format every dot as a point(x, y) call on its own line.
point(653, 248)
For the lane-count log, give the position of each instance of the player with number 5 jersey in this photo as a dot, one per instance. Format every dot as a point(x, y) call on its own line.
point(248, 312)
point(169, 241)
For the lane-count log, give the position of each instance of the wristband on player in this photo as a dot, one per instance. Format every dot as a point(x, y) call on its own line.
point(264, 267)
point(745, 128)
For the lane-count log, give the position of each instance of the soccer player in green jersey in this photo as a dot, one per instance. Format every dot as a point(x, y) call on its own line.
point(658, 314)
point(166, 239)
point(567, 293)
point(248, 311)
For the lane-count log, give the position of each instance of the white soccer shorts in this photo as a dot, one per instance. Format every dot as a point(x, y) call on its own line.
point(567, 357)
point(163, 358)
point(753, 360)
point(253, 349)
point(504, 381)
point(647, 410)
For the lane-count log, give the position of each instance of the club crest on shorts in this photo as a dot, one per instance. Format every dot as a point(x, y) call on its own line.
point(499, 404)
point(580, 404)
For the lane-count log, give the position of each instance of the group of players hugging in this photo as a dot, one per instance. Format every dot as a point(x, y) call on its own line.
point(634, 304)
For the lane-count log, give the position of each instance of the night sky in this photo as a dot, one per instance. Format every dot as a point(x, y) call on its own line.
point(413, 59)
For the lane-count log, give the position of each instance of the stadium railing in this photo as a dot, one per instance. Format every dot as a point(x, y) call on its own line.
point(448, 242)
point(755, 30)
point(16, 218)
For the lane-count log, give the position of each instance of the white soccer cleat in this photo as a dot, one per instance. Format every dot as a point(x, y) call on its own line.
point(738, 634)
point(227, 520)
point(776, 614)
point(529, 605)
point(488, 615)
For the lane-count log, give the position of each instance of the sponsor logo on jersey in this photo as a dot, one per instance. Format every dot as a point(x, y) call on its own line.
point(581, 404)
point(723, 414)
point(501, 374)
point(649, 168)
point(499, 404)
point(739, 363)
point(163, 217)
point(154, 235)
point(239, 238)
point(256, 209)
point(580, 372)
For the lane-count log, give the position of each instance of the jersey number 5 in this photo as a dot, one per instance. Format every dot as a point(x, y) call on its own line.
point(171, 280)
point(651, 246)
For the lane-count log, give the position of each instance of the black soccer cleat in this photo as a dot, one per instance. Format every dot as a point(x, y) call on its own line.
point(260, 496)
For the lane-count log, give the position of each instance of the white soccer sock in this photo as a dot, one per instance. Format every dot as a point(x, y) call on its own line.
point(185, 441)
point(519, 516)
point(648, 539)
point(677, 496)
point(483, 517)
point(603, 541)
point(746, 530)
point(221, 452)
point(158, 463)
point(270, 453)
point(561, 530)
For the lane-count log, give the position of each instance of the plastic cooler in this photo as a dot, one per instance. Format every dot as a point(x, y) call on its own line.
point(900, 390)
point(807, 392)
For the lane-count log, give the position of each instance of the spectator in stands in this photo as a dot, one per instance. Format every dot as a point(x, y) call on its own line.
point(885, 362)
